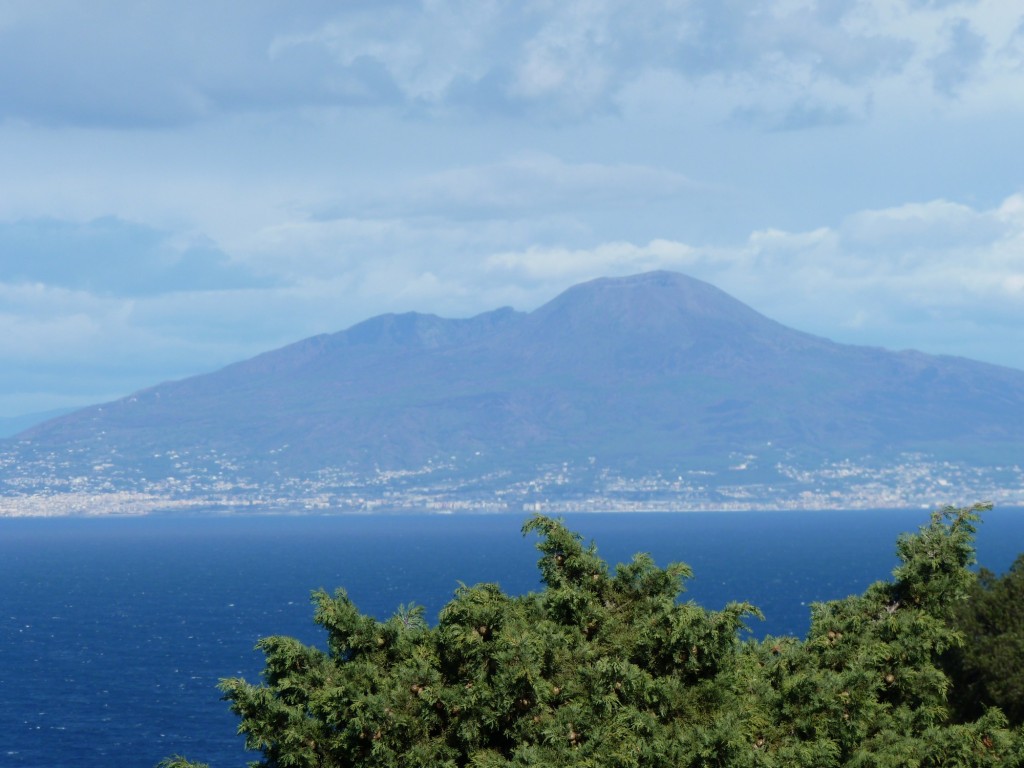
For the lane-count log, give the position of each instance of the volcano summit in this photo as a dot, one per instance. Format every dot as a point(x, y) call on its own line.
point(657, 375)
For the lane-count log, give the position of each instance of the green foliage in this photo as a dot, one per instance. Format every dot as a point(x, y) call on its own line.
point(179, 762)
point(614, 669)
point(988, 670)
point(866, 687)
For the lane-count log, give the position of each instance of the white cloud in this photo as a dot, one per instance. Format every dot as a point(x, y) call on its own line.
point(39, 323)
point(177, 64)
point(528, 183)
point(938, 276)
point(563, 266)
point(957, 64)
point(113, 256)
point(191, 183)
point(914, 228)
point(902, 276)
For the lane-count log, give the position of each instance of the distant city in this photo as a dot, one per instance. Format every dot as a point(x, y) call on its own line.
point(214, 483)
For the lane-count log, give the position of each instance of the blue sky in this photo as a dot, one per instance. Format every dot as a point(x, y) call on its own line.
point(187, 184)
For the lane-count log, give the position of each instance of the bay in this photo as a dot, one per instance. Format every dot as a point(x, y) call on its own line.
point(115, 631)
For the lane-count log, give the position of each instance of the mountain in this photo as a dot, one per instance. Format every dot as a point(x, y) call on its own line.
point(653, 371)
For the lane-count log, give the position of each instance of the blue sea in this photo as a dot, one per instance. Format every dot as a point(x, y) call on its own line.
point(114, 632)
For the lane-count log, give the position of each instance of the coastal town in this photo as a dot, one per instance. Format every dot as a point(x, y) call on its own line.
point(212, 483)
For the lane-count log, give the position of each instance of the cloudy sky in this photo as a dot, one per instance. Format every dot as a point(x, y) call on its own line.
point(185, 184)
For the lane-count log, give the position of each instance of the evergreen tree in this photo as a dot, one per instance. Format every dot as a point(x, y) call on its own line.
point(866, 687)
point(603, 669)
point(988, 670)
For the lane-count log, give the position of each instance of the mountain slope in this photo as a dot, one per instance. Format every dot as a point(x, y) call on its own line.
point(654, 370)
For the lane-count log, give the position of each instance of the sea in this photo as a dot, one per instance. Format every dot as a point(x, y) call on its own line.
point(115, 631)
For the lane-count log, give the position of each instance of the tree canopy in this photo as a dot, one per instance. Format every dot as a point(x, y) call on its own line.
point(988, 669)
point(613, 669)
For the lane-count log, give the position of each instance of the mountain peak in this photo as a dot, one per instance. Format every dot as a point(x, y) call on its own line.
point(654, 369)
point(657, 308)
point(649, 294)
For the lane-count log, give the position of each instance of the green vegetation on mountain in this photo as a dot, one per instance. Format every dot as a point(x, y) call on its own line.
point(611, 668)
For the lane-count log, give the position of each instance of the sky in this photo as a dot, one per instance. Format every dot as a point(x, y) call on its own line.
point(187, 184)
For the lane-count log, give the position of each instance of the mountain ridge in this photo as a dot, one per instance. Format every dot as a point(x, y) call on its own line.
point(648, 372)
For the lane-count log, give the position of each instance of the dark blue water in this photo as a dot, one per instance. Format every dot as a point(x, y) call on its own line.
point(114, 632)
